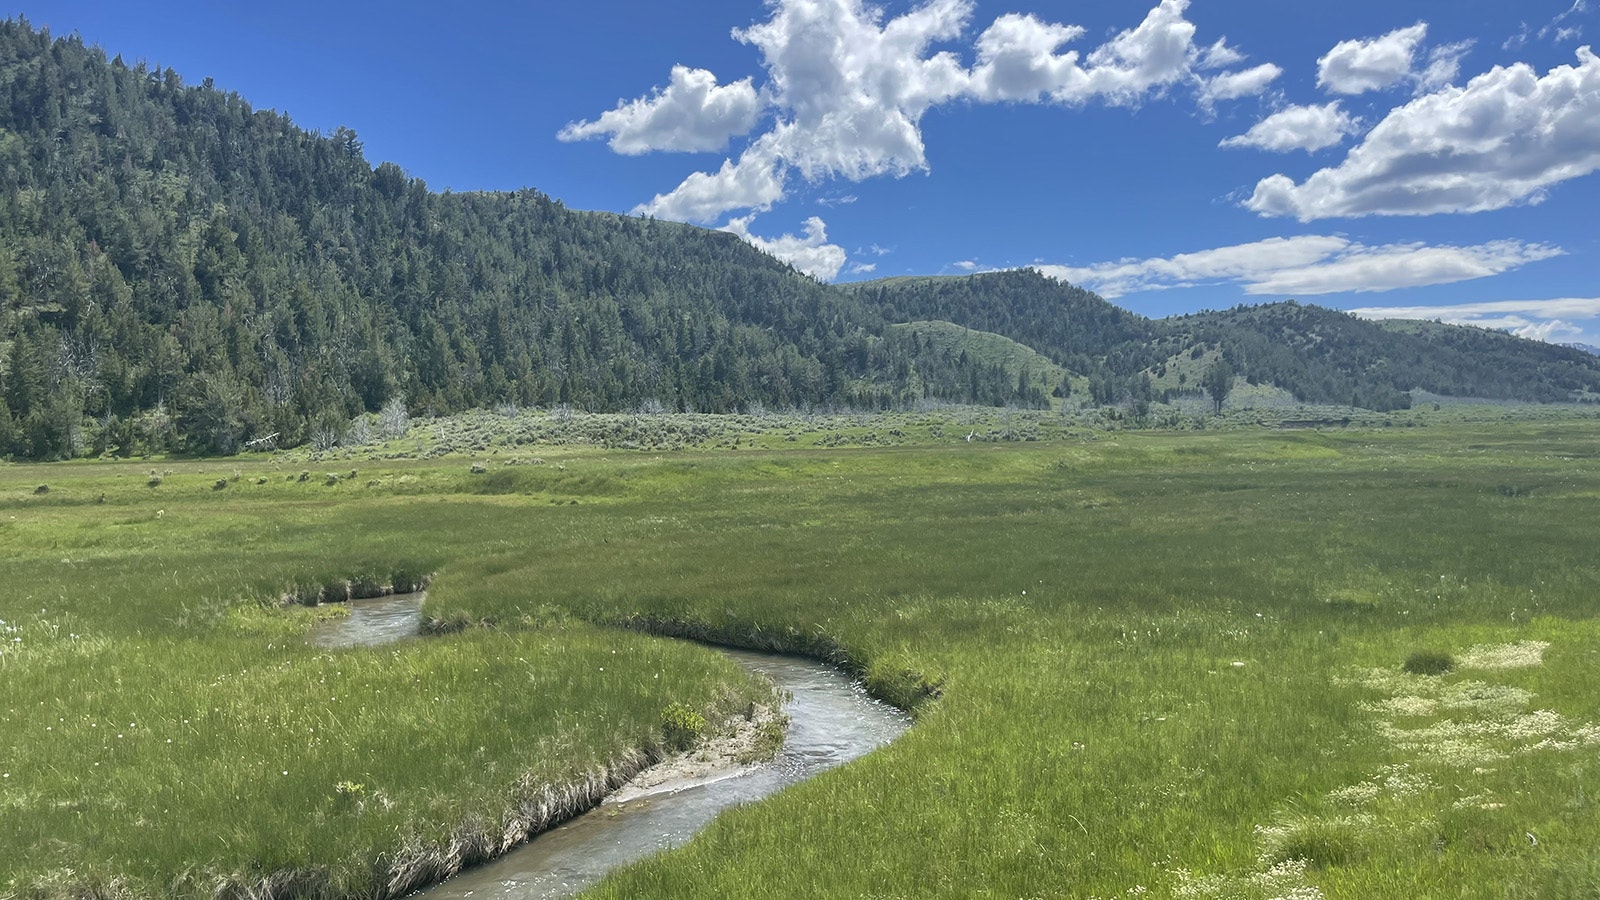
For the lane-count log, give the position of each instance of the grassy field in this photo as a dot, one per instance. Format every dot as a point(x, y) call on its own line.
point(1143, 664)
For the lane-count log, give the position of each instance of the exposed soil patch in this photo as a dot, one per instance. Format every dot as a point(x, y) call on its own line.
point(742, 743)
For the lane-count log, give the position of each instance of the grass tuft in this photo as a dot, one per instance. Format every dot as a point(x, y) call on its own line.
point(1428, 662)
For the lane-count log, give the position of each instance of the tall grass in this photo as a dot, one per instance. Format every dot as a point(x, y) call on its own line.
point(1145, 661)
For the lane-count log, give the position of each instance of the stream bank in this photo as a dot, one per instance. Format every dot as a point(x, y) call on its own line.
point(631, 809)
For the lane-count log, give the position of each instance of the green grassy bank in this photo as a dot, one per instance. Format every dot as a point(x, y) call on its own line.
point(1166, 664)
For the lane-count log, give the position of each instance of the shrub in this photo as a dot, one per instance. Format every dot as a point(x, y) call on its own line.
point(1428, 662)
point(220, 485)
point(681, 727)
point(42, 489)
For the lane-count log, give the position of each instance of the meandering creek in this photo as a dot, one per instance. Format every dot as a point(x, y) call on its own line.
point(831, 721)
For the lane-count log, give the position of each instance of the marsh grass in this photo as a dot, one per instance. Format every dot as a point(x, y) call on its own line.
point(1428, 662)
point(1130, 657)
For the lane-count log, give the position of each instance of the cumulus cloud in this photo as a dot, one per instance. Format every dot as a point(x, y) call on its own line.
point(1306, 265)
point(847, 87)
point(755, 182)
point(1306, 128)
point(692, 113)
point(1542, 320)
point(853, 90)
point(1355, 67)
point(1017, 59)
point(1158, 53)
point(1503, 139)
point(811, 254)
point(1374, 64)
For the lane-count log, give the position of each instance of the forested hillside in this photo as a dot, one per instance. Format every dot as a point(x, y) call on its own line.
point(180, 272)
point(1323, 355)
point(1319, 355)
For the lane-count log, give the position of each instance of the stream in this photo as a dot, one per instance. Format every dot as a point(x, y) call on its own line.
point(831, 721)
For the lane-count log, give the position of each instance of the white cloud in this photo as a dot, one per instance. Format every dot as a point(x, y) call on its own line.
point(1561, 31)
point(1355, 67)
point(1517, 41)
point(1364, 269)
point(1157, 53)
point(1543, 320)
point(1444, 64)
point(1503, 139)
point(1306, 128)
point(811, 254)
point(1017, 59)
point(1233, 85)
point(754, 182)
point(1219, 56)
point(966, 265)
point(863, 268)
point(854, 90)
point(1306, 265)
point(692, 113)
point(847, 87)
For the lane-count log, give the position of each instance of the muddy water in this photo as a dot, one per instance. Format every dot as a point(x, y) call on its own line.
point(831, 721)
point(381, 620)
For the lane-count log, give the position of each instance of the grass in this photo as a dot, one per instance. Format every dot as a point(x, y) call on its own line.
point(1168, 662)
point(1428, 662)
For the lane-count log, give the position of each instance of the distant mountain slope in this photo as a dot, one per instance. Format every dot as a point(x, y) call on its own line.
point(1325, 355)
point(1072, 326)
point(1317, 354)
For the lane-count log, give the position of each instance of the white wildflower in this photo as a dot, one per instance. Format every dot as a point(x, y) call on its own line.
point(1520, 655)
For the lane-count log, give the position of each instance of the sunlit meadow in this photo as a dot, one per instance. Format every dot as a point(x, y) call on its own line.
point(1142, 664)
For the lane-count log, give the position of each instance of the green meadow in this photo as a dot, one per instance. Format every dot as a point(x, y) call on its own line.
point(1142, 663)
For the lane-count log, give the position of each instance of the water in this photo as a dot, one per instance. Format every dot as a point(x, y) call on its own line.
point(831, 721)
point(381, 620)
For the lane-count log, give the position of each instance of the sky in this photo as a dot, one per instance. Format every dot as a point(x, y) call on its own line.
point(1394, 159)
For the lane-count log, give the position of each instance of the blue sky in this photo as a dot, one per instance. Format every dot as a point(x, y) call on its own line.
point(1419, 159)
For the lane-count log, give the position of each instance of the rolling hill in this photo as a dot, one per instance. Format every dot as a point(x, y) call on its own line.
point(180, 272)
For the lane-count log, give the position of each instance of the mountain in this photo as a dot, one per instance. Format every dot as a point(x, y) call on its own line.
point(181, 272)
point(1326, 356)
point(1586, 348)
point(1319, 355)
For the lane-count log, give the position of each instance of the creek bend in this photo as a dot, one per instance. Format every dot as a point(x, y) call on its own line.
point(831, 721)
